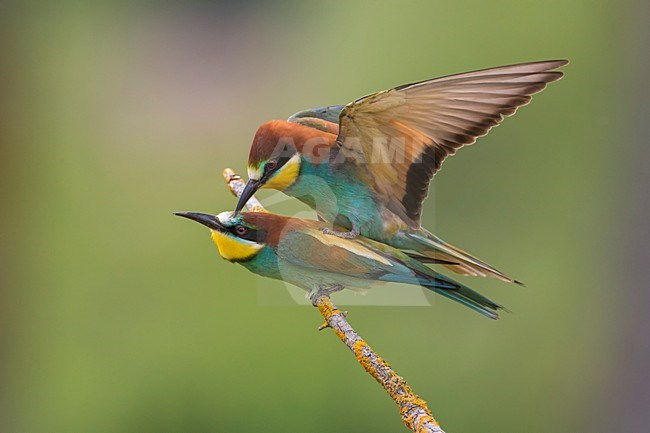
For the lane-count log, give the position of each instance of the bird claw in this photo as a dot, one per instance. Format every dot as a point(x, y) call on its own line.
point(343, 235)
point(323, 291)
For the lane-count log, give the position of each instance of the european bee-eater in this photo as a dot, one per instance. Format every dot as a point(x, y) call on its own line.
point(366, 166)
point(297, 251)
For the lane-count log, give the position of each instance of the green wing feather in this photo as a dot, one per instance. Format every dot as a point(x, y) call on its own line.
point(364, 258)
point(343, 256)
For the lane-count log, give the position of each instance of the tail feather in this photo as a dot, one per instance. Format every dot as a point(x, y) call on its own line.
point(463, 262)
point(456, 291)
point(430, 260)
point(463, 295)
point(486, 310)
point(414, 272)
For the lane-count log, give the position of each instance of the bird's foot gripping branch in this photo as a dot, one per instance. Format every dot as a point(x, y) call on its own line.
point(415, 413)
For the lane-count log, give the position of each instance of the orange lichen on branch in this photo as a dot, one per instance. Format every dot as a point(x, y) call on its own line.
point(410, 404)
point(414, 410)
point(328, 310)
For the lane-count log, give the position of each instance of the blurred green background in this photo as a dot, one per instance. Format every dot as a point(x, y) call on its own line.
point(116, 316)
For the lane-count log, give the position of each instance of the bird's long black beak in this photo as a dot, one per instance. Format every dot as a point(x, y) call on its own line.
point(210, 221)
point(249, 190)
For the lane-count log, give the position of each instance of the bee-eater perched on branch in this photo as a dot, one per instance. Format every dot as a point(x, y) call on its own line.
point(366, 166)
point(298, 252)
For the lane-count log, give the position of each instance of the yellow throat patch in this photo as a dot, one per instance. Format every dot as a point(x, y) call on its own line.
point(234, 249)
point(286, 175)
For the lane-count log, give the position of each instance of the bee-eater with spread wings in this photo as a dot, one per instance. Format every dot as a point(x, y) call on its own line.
point(298, 252)
point(366, 166)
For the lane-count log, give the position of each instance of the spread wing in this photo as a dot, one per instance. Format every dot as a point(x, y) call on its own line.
point(403, 135)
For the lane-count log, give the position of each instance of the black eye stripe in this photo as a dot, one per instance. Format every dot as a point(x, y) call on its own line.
point(281, 158)
point(281, 161)
point(250, 235)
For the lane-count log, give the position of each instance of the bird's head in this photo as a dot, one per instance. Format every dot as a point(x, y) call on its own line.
point(273, 162)
point(237, 237)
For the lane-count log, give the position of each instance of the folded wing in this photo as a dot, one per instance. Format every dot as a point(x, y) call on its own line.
point(337, 255)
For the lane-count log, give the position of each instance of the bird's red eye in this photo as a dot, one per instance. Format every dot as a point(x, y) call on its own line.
point(271, 165)
point(241, 230)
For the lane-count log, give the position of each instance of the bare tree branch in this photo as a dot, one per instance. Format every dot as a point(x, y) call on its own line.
point(415, 413)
